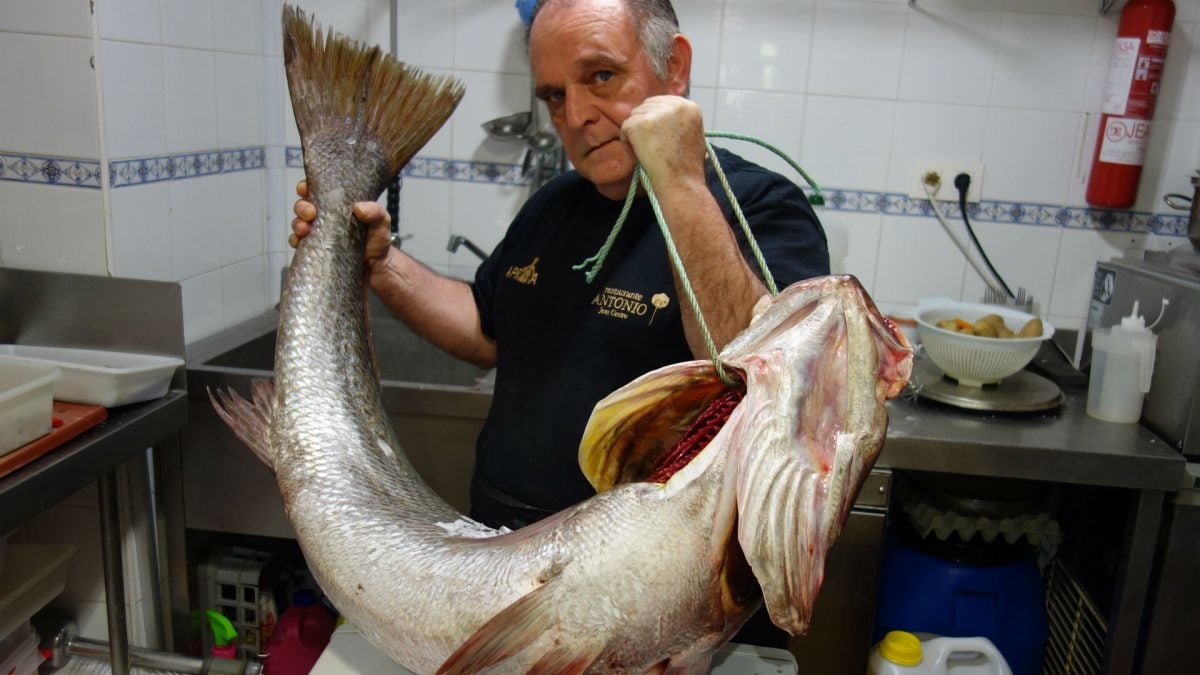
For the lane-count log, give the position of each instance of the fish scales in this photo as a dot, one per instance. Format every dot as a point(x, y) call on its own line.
point(647, 575)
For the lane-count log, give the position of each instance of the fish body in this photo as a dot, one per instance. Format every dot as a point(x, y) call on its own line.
point(648, 575)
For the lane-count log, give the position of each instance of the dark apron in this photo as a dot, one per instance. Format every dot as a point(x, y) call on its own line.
point(494, 508)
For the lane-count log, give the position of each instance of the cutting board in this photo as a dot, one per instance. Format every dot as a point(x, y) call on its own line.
point(75, 419)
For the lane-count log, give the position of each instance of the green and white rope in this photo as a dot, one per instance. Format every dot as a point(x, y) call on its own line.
point(596, 262)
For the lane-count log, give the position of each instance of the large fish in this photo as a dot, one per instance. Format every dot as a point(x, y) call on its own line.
point(712, 498)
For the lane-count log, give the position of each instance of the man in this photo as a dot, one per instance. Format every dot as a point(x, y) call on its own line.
point(613, 74)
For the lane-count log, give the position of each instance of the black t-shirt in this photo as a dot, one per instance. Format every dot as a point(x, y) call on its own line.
point(563, 344)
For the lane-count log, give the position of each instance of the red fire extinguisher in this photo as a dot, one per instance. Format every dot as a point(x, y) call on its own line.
point(1134, 79)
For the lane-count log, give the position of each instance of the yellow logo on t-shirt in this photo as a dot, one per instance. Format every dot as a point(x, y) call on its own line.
point(621, 304)
point(524, 275)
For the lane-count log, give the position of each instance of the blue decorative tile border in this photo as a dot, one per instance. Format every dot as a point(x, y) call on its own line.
point(144, 170)
point(50, 170)
point(141, 171)
point(122, 173)
point(1078, 217)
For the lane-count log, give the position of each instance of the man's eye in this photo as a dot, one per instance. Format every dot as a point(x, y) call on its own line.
point(603, 75)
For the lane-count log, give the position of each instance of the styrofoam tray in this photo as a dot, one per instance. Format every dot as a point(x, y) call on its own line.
point(34, 574)
point(104, 378)
point(24, 658)
point(26, 401)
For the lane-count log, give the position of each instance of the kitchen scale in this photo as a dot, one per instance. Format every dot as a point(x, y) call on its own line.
point(1021, 392)
point(349, 653)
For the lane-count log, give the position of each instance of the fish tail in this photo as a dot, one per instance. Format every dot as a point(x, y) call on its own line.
point(250, 421)
point(348, 97)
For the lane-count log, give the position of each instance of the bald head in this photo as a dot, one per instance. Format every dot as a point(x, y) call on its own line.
point(655, 22)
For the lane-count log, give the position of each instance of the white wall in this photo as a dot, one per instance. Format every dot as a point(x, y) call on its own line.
point(856, 90)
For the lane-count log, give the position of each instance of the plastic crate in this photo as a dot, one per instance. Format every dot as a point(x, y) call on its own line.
point(26, 401)
point(230, 584)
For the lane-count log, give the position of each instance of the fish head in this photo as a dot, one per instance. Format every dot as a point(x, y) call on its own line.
point(819, 361)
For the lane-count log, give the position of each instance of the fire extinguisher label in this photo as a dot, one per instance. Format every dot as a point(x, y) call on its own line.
point(1125, 141)
point(1158, 37)
point(1120, 75)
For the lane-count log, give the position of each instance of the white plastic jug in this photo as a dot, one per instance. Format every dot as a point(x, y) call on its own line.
point(1122, 365)
point(902, 653)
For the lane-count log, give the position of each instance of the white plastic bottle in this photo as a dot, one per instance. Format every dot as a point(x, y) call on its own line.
point(1122, 365)
point(902, 653)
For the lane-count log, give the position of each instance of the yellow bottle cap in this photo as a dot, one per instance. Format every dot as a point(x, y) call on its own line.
point(901, 648)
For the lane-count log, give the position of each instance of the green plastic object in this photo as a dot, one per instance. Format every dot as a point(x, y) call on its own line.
point(222, 630)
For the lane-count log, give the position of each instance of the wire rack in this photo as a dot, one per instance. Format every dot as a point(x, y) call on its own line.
point(1077, 628)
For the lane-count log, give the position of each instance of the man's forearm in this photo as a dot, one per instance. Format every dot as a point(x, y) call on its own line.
point(439, 309)
point(725, 285)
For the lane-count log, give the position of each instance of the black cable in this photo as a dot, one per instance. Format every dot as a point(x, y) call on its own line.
point(962, 182)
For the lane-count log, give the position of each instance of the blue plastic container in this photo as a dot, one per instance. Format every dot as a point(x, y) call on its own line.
point(1002, 599)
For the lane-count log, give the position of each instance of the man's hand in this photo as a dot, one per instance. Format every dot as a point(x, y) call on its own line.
point(370, 214)
point(666, 134)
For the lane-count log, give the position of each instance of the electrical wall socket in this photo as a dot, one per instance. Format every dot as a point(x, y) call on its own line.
point(946, 171)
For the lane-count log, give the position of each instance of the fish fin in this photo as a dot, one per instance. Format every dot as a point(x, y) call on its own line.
point(514, 629)
point(632, 426)
point(343, 90)
point(562, 662)
point(250, 421)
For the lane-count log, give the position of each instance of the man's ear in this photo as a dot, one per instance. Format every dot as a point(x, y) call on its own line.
point(679, 68)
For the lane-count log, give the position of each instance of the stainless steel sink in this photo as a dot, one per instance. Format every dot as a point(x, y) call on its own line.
point(435, 402)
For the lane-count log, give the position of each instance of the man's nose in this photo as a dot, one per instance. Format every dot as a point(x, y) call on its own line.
point(579, 106)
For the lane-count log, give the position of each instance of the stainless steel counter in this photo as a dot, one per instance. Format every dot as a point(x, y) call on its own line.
point(128, 431)
point(1064, 446)
point(1061, 446)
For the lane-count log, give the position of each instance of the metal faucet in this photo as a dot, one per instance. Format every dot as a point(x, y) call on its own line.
point(457, 240)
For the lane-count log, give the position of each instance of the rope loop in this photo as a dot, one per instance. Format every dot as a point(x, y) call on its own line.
point(591, 267)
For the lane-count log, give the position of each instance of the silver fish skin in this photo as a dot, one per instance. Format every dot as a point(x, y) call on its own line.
point(645, 576)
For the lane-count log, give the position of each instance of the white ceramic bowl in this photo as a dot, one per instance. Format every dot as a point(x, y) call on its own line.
point(971, 359)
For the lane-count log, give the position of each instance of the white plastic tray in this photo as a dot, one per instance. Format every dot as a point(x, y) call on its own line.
point(34, 574)
point(26, 401)
point(96, 377)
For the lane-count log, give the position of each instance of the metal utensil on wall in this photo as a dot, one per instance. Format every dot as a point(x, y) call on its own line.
point(543, 158)
point(1191, 204)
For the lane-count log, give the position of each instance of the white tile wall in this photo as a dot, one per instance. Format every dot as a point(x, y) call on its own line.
point(203, 313)
point(188, 23)
point(141, 232)
point(777, 116)
point(701, 22)
point(488, 37)
point(425, 34)
point(244, 290)
point(418, 198)
point(45, 227)
point(239, 80)
point(766, 46)
point(917, 259)
point(1027, 154)
point(1044, 61)
point(130, 20)
point(48, 17)
point(134, 104)
point(237, 26)
point(934, 132)
point(846, 141)
point(857, 48)
point(241, 215)
point(196, 236)
point(53, 120)
point(190, 99)
point(928, 74)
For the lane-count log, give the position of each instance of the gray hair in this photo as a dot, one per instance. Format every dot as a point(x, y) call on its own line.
point(656, 24)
